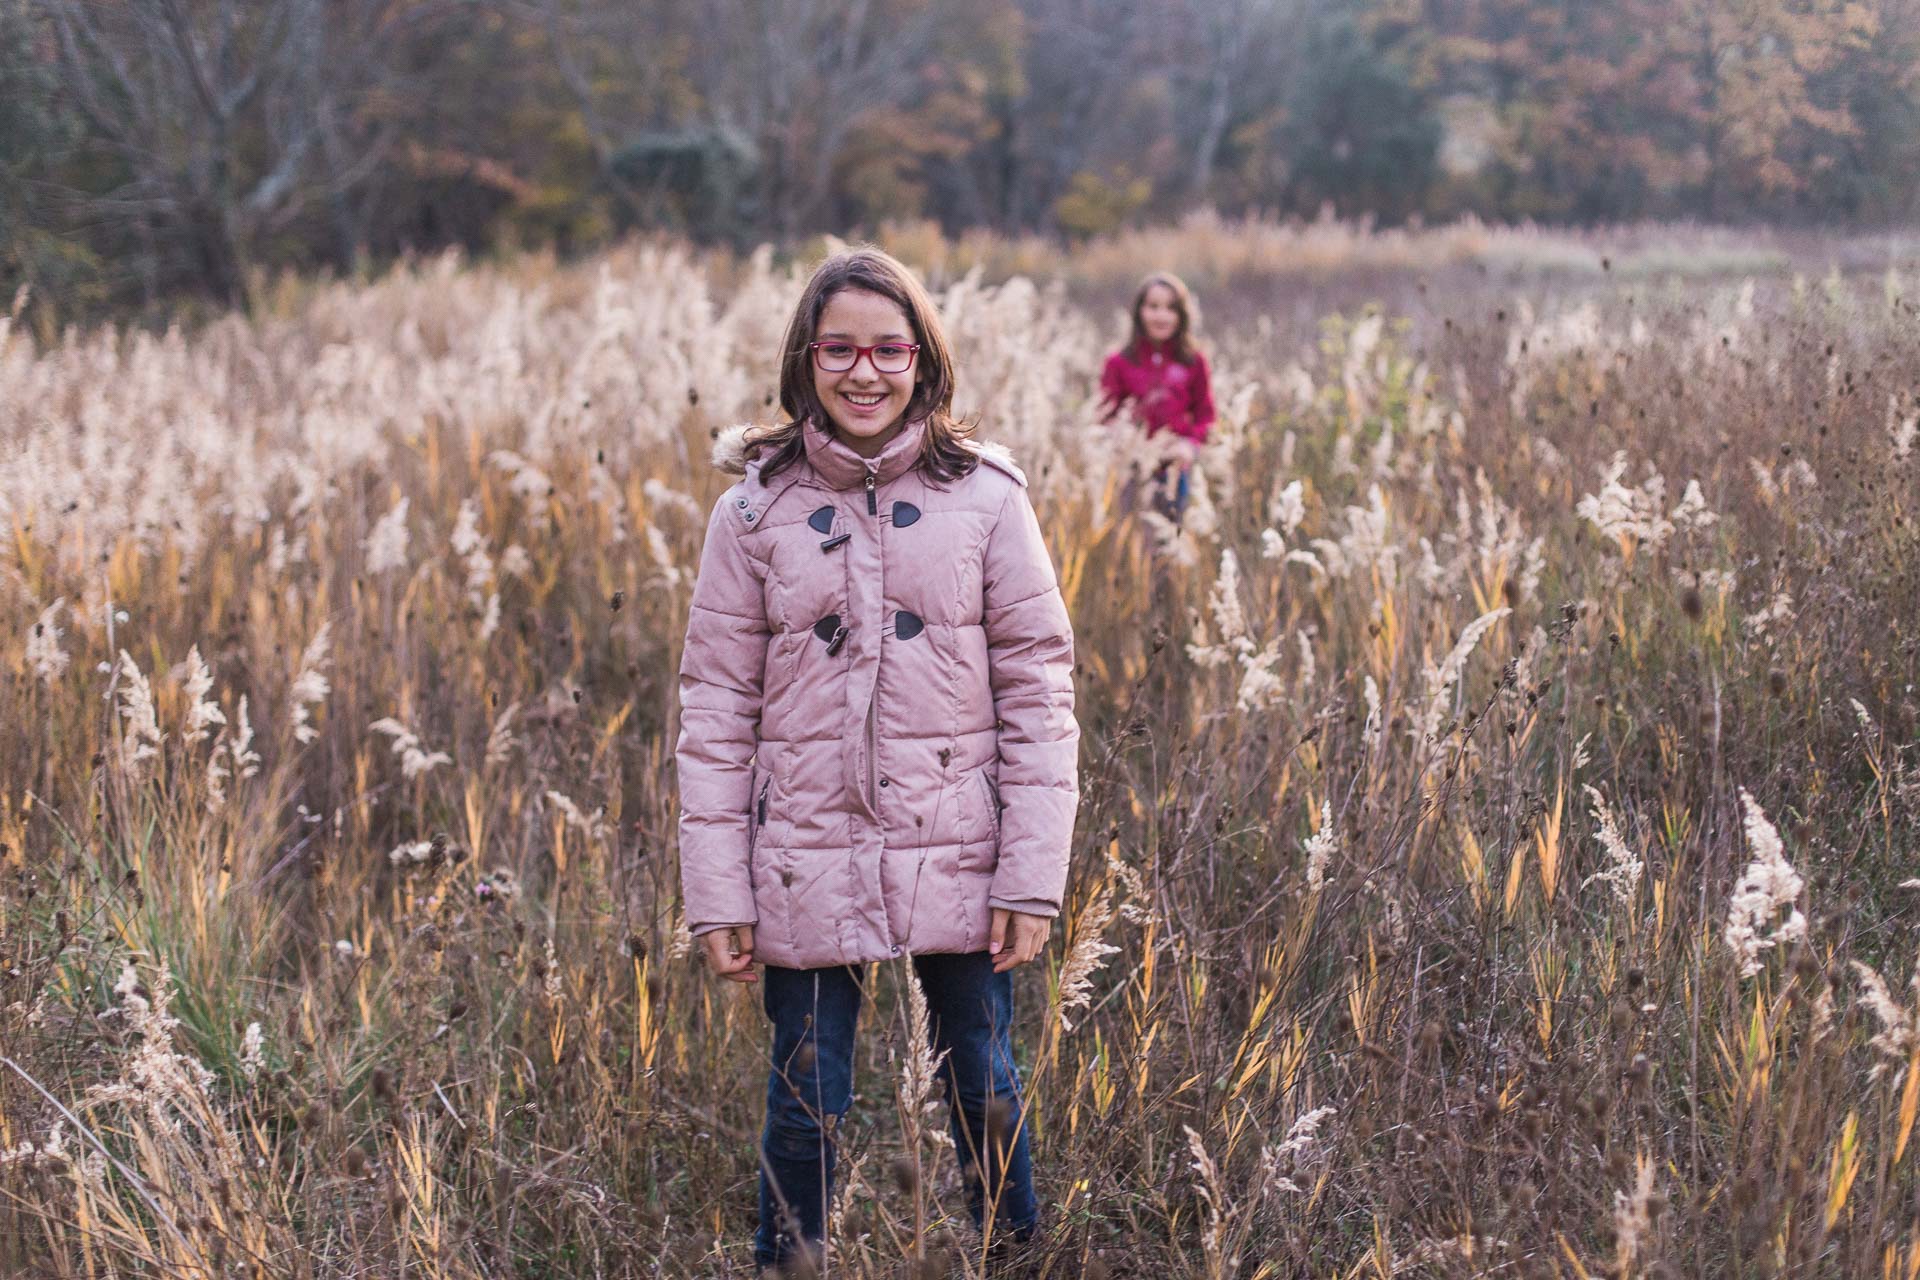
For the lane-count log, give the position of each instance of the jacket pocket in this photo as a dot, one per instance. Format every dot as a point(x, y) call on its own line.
point(992, 790)
point(758, 785)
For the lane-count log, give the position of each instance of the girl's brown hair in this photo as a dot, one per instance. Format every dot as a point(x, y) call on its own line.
point(944, 454)
point(1183, 349)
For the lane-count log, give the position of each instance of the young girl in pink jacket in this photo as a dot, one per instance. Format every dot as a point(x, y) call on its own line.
point(1163, 378)
point(877, 748)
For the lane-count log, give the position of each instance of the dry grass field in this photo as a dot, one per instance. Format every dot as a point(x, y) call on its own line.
point(1501, 810)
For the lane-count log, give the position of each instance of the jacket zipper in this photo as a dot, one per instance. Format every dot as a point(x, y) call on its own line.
point(873, 509)
point(873, 745)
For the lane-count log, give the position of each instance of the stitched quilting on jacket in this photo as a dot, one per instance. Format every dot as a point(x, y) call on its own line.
point(877, 739)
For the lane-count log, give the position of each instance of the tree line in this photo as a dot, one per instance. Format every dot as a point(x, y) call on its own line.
point(150, 148)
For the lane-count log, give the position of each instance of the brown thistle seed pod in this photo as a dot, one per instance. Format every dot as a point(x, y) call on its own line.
point(1796, 1179)
point(1001, 1120)
point(1096, 1269)
point(382, 1084)
point(905, 1176)
point(1691, 604)
point(1777, 682)
point(355, 1163)
point(1636, 978)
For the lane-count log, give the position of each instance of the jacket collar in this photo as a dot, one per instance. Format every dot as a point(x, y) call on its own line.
point(841, 468)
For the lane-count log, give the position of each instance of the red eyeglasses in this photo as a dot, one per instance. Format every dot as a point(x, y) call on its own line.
point(886, 357)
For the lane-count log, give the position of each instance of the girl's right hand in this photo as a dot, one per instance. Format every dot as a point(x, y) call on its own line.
point(730, 953)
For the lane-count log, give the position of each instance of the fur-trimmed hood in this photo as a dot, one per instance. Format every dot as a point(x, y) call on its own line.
point(731, 452)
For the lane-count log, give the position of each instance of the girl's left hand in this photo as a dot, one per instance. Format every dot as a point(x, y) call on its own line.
point(1016, 938)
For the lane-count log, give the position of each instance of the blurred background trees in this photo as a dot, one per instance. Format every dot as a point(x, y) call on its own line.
point(154, 148)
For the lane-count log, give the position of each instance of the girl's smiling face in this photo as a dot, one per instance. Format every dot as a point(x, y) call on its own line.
point(1160, 313)
point(867, 406)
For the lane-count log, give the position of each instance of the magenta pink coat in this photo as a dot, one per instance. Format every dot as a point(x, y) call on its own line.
point(1165, 394)
point(877, 740)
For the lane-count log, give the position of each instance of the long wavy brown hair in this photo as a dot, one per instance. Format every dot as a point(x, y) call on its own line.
point(944, 455)
point(1183, 348)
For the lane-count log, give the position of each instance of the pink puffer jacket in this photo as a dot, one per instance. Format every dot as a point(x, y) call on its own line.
point(877, 739)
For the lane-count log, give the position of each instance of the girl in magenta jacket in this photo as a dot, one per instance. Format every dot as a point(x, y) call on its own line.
point(1163, 378)
point(877, 755)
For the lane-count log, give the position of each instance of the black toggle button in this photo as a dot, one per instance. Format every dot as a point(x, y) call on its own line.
point(838, 540)
point(904, 514)
point(906, 625)
point(821, 521)
point(839, 638)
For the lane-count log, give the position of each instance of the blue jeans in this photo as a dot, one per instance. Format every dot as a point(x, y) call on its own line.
point(1168, 488)
point(814, 1012)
